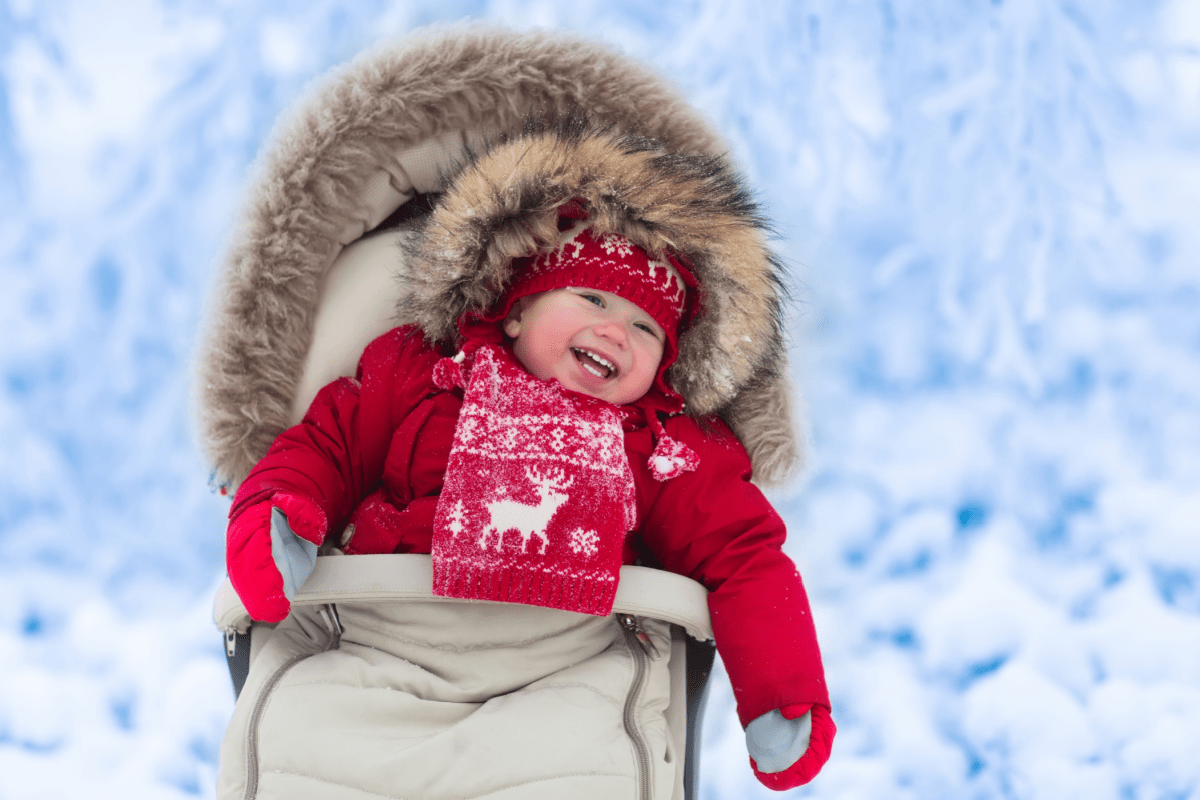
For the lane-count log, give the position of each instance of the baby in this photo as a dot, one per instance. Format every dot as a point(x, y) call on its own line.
point(540, 458)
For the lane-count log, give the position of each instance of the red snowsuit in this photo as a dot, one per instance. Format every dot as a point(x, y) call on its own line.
point(372, 452)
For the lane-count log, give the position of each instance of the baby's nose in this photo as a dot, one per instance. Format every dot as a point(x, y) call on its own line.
point(613, 331)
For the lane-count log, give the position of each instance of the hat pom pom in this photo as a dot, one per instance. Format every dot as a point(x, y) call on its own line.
point(671, 459)
point(448, 373)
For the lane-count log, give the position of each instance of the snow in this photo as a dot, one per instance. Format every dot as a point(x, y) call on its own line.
point(989, 210)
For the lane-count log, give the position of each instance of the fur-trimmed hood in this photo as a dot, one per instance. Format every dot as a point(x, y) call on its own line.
point(618, 137)
point(503, 204)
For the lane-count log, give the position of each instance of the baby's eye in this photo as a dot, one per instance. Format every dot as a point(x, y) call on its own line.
point(647, 328)
point(594, 298)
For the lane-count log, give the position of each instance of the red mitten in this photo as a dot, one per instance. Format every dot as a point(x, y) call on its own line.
point(808, 765)
point(248, 557)
point(251, 567)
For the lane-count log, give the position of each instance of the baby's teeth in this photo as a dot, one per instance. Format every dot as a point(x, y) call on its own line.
point(600, 359)
point(590, 355)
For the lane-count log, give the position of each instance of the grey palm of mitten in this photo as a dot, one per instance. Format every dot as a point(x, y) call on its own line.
point(294, 557)
point(776, 742)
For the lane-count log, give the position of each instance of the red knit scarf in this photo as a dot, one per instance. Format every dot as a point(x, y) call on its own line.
point(538, 495)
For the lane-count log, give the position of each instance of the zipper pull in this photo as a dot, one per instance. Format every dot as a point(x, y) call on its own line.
point(329, 616)
point(231, 642)
point(630, 623)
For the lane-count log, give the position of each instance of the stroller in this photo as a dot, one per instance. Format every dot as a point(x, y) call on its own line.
point(315, 274)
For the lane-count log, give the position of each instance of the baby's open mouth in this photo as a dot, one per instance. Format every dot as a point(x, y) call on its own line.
point(597, 365)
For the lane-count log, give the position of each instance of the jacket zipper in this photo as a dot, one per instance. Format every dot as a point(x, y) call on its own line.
point(329, 616)
point(643, 650)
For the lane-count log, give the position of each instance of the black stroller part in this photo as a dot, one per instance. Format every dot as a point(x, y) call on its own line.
point(700, 656)
point(237, 656)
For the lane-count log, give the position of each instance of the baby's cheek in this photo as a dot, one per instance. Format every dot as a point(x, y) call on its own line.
point(654, 358)
point(647, 368)
point(530, 356)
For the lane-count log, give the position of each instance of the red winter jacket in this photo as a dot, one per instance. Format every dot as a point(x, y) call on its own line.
point(371, 452)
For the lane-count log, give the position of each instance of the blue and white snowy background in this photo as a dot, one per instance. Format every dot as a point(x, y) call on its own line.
point(990, 209)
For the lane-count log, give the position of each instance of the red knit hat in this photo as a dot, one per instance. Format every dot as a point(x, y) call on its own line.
point(611, 263)
point(663, 287)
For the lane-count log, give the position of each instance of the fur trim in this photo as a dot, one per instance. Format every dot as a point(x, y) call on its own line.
point(502, 206)
point(305, 202)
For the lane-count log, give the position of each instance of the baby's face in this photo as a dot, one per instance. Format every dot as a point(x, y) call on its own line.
point(593, 342)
